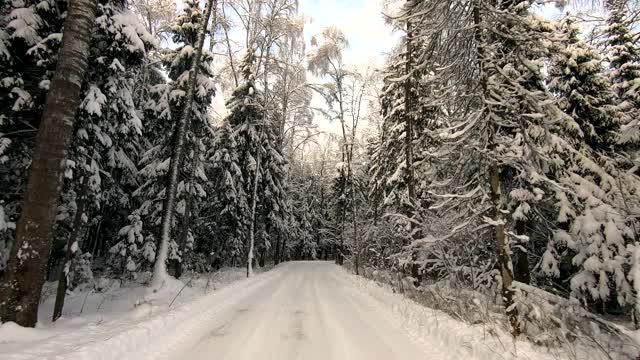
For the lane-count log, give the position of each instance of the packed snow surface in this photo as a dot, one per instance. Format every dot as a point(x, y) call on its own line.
point(306, 311)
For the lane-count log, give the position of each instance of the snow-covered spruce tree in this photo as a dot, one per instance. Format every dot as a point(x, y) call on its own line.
point(30, 34)
point(135, 246)
point(138, 247)
point(22, 290)
point(383, 239)
point(593, 203)
point(502, 136)
point(228, 207)
point(549, 161)
point(253, 148)
point(106, 113)
point(400, 159)
point(101, 162)
point(406, 117)
point(528, 135)
point(274, 207)
point(577, 78)
point(624, 62)
point(593, 225)
point(183, 124)
point(240, 137)
point(305, 244)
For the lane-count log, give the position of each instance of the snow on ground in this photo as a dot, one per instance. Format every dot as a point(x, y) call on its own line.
point(113, 304)
point(300, 310)
point(461, 341)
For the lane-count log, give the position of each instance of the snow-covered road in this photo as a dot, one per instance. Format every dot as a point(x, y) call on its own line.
point(308, 310)
point(298, 310)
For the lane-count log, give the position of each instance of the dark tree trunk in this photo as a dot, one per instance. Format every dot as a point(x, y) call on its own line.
point(21, 293)
point(276, 250)
point(283, 250)
point(254, 202)
point(502, 250)
point(74, 238)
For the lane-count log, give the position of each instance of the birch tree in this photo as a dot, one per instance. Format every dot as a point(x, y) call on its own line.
point(326, 60)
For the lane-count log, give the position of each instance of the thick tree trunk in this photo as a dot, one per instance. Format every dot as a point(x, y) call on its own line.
point(72, 249)
point(160, 266)
point(21, 294)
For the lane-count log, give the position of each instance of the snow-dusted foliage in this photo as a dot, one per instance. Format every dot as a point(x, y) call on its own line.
point(138, 245)
point(248, 147)
point(593, 219)
point(30, 34)
point(489, 169)
point(230, 198)
point(623, 55)
point(400, 156)
point(109, 127)
point(5, 246)
point(577, 78)
point(526, 174)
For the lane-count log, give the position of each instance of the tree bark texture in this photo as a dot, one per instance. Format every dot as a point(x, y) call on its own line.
point(502, 250)
point(21, 293)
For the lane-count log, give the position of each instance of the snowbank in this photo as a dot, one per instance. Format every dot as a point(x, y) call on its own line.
point(120, 320)
point(483, 341)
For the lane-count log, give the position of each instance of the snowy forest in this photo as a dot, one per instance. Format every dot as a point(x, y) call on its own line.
point(488, 168)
